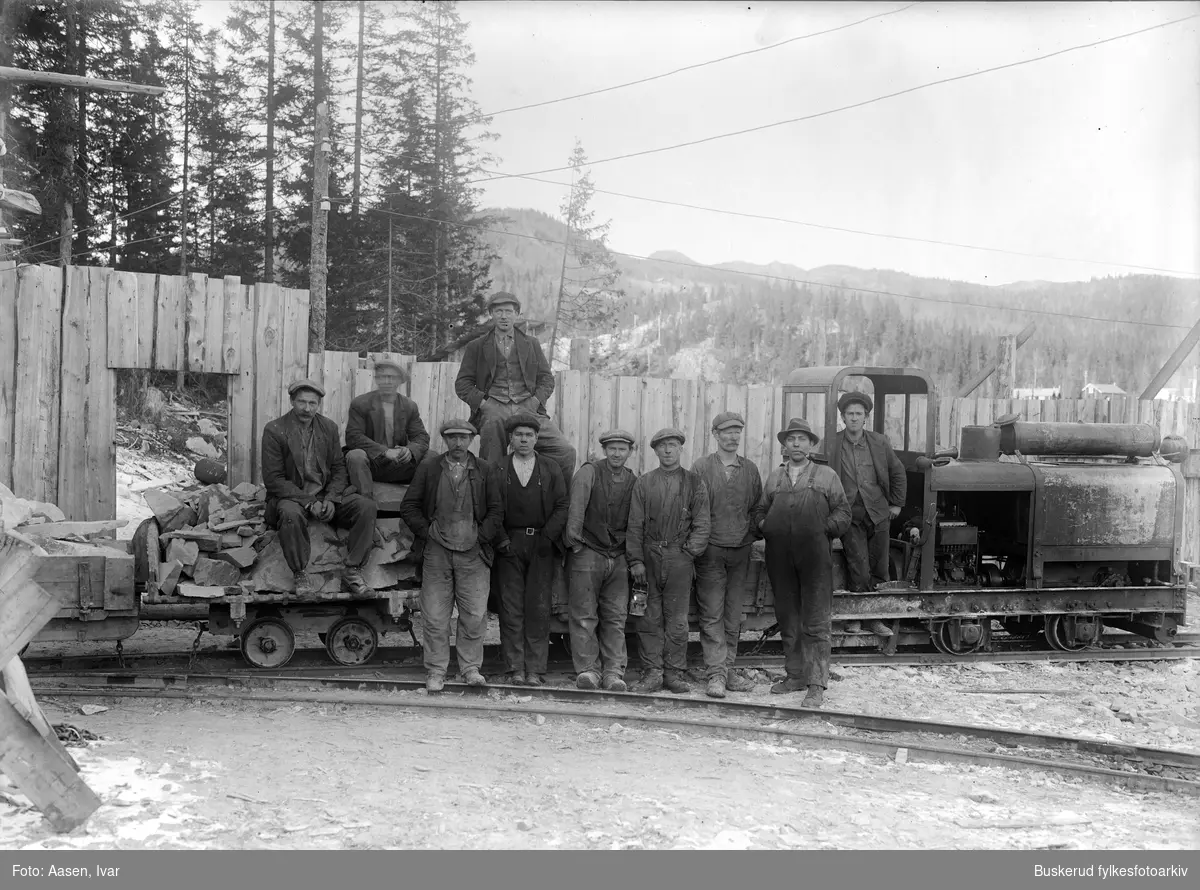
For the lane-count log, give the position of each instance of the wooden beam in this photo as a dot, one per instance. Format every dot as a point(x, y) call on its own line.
point(53, 78)
point(978, 380)
point(1173, 363)
point(1006, 367)
point(581, 354)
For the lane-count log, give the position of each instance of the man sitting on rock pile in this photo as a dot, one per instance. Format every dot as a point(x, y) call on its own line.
point(305, 477)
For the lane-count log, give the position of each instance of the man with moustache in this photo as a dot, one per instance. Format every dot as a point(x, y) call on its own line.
point(385, 437)
point(734, 487)
point(802, 508)
point(597, 519)
point(876, 486)
point(668, 530)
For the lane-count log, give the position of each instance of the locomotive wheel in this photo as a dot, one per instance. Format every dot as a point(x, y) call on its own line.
point(953, 637)
point(351, 642)
point(268, 643)
point(1061, 634)
point(1027, 627)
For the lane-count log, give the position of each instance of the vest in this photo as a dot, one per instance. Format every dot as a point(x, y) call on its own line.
point(524, 507)
point(509, 383)
point(605, 519)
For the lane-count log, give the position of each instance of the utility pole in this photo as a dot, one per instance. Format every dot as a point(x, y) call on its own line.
point(317, 264)
point(269, 217)
point(358, 116)
point(389, 296)
point(181, 375)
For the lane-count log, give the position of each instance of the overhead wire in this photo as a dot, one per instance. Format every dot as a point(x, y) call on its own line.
point(830, 111)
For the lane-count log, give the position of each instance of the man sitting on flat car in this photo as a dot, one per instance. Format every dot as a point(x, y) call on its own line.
point(385, 437)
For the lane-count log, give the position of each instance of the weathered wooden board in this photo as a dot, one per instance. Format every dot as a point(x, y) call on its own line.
point(39, 342)
point(629, 418)
point(72, 443)
point(123, 330)
point(244, 431)
point(213, 361)
point(268, 362)
point(145, 308)
point(600, 415)
point(9, 326)
point(171, 324)
point(294, 357)
point(196, 309)
point(758, 438)
point(572, 410)
point(339, 374)
point(231, 324)
point(100, 454)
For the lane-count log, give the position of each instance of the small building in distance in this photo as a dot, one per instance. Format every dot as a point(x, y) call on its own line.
point(1102, 391)
point(1037, 392)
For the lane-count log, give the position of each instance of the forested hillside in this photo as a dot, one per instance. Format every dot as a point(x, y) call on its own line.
point(752, 324)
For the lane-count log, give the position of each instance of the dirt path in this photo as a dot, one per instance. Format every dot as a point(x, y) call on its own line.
point(244, 775)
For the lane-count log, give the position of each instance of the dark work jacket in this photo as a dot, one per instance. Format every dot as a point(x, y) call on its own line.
point(365, 426)
point(283, 462)
point(888, 469)
point(478, 370)
point(418, 507)
point(554, 496)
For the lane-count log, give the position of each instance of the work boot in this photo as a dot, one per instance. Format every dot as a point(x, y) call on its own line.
point(515, 678)
point(535, 679)
point(815, 697)
point(879, 628)
point(355, 582)
point(587, 680)
point(472, 677)
point(652, 681)
point(738, 683)
point(678, 685)
point(852, 627)
point(435, 682)
point(306, 584)
point(613, 683)
point(788, 684)
point(715, 688)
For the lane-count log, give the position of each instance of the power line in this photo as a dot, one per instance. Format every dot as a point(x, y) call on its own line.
point(797, 222)
point(632, 83)
point(830, 111)
point(764, 275)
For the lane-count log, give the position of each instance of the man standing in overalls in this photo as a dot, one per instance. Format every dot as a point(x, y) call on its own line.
point(803, 508)
point(668, 530)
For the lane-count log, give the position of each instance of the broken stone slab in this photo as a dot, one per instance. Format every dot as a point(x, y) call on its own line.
point(183, 552)
point(245, 531)
point(230, 540)
point(378, 577)
point(198, 591)
point(271, 571)
point(239, 557)
point(168, 576)
point(184, 517)
point(198, 445)
point(161, 504)
point(245, 491)
point(215, 573)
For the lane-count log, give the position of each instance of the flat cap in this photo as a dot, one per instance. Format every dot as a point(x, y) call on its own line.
point(617, 436)
point(851, 397)
point(667, 433)
point(294, 388)
point(797, 425)
point(395, 366)
point(727, 419)
point(522, 418)
point(457, 425)
point(502, 297)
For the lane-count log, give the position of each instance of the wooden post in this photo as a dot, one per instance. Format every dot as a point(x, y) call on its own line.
point(979, 379)
point(318, 264)
point(1173, 363)
point(581, 357)
point(1006, 367)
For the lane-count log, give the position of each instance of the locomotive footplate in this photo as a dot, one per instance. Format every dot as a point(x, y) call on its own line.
point(1000, 602)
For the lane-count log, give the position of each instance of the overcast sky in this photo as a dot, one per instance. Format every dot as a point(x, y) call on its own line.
point(1092, 155)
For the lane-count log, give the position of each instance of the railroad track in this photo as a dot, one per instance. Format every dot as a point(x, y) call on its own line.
point(1131, 766)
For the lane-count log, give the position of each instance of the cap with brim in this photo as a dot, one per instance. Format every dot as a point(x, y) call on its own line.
point(522, 419)
point(728, 420)
point(617, 436)
point(306, 384)
point(501, 298)
point(667, 433)
point(851, 397)
point(457, 427)
point(382, 363)
point(797, 425)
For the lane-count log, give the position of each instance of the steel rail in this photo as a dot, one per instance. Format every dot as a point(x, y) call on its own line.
point(914, 752)
point(859, 721)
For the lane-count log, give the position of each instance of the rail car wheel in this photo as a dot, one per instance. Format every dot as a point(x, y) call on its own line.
point(1026, 627)
point(961, 636)
point(1072, 633)
point(268, 643)
point(351, 642)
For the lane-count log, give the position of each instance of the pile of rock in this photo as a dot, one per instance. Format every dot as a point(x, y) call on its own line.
point(214, 541)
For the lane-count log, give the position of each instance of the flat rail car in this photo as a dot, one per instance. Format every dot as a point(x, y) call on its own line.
point(1038, 529)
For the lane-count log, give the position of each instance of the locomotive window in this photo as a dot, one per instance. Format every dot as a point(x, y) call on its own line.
point(810, 406)
point(917, 421)
point(893, 421)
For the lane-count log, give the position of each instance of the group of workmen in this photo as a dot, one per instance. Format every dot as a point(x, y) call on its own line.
point(519, 509)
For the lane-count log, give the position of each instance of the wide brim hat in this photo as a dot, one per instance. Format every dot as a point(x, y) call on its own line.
point(395, 366)
point(728, 419)
point(851, 397)
point(797, 425)
point(501, 298)
point(523, 418)
point(667, 433)
point(457, 425)
point(294, 388)
point(617, 436)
